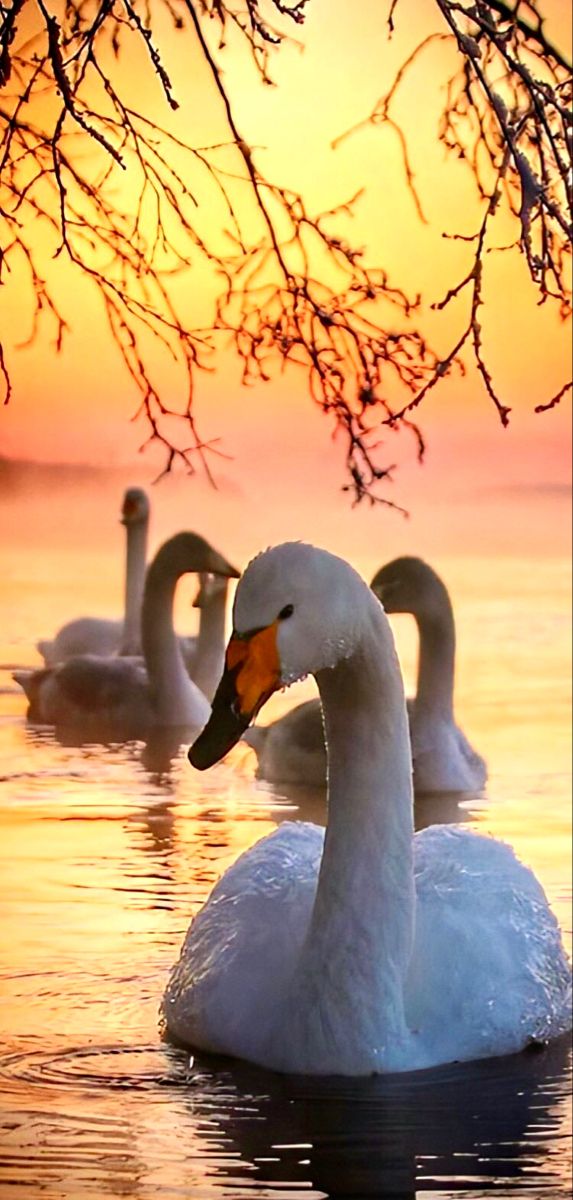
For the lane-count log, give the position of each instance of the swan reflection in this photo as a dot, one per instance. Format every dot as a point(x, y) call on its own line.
point(463, 1129)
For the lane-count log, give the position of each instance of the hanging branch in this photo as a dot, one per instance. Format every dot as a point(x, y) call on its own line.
point(292, 286)
point(508, 116)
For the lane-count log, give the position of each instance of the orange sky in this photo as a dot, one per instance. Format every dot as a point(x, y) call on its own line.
point(77, 407)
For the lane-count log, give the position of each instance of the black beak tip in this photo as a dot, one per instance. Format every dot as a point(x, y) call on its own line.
point(221, 733)
point(199, 757)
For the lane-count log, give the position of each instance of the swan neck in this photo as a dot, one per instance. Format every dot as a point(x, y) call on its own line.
point(361, 930)
point(168, 677)
point(209, 658)
point(134, 587)
point(436, 662)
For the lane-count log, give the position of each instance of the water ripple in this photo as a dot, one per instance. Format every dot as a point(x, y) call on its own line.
point(110, 1067)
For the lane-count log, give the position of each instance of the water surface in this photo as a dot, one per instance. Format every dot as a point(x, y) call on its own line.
point(107, 851)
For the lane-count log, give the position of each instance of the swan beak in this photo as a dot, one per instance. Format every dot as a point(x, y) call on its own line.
point(218, 568)
point(217, 565)
point(252, 673)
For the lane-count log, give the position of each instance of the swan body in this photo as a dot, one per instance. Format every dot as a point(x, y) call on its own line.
point(84, 635)
point(363, 949)
point(291, 750)
point(100, 636)
point(128, 693)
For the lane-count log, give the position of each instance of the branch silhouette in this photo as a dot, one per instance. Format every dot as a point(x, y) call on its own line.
point(122, 197)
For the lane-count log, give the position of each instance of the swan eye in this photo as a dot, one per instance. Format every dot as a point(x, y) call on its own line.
point(285, 612)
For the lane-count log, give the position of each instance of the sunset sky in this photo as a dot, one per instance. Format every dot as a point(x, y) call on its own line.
point(504, 490)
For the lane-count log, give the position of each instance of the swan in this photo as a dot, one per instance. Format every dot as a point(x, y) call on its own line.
point(291, 749)
point(365, 949)
point(97, 635)
point(102, 636)
point(444, 760)
point(205, 654)
point(123, 693)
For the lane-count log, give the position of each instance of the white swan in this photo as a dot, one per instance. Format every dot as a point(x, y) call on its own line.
point(120, 694)
point(103, 637)
point(205, 654)
point(369, 950)
point(96, 635)
point(443, 759)
point(291, 750)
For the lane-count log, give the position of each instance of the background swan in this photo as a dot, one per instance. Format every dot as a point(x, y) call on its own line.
point(444, 760)
point(364, 950)
point(205, 654)
point(97, 635)
point(292, 749)
point(122, 693)
point(103, 637)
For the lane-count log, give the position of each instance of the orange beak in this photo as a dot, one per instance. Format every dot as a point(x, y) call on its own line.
point(252, 673)
point(256, 662)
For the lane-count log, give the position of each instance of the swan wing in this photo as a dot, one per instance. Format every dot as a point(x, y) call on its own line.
point(442, 757)
point(97, 683)
point(240, 949)
point(488, 971)
point(85, 635)
point(292, 749)
point(476, 764)
point(88, 687)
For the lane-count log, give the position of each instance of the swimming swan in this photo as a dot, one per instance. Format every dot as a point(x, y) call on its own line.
point(103, 636)
point(291, 750)
point(125, 693)
point(205, 654)
point(443, 759)
point(365, 949)
point(97, 635)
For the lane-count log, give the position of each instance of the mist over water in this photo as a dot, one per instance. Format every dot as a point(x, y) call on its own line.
point(107, 851)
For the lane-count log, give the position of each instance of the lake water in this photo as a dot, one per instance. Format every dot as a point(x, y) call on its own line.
point(107, 851)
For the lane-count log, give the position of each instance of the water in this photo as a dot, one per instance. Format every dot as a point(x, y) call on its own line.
point(105, 854)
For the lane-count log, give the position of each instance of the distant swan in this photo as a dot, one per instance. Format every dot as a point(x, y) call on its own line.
point(365, 949)
point(120, 693)
point(97, 635)
point(205, 654)
point(291, 750)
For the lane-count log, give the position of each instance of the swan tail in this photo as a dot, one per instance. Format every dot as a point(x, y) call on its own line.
point(24, 679)
point(31, 683)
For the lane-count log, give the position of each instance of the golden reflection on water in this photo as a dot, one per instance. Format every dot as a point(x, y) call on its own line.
point(106, 852)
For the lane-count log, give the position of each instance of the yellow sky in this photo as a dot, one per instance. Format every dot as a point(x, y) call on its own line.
point(77, 407)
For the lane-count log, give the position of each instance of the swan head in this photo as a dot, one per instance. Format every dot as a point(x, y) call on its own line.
point(409, 585)
point(189, 554)
point(210, 586)
point(135, 507)
point(298, 611)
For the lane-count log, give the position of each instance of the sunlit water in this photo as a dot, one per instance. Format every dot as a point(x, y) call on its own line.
point(106, 852)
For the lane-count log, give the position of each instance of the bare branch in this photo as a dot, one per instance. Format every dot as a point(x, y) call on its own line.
point(293, 288)
point(508, 116)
